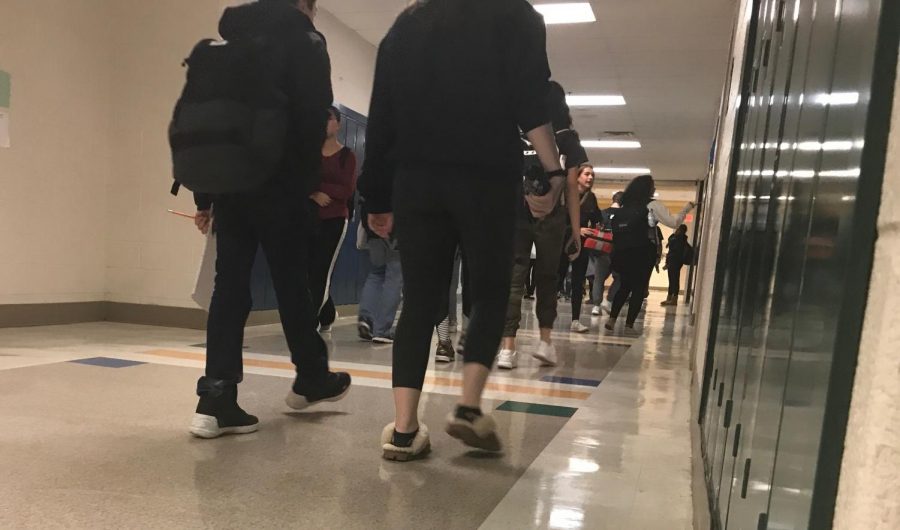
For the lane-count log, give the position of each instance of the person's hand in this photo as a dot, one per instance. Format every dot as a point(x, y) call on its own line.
point(203, 221)
point(382, 224)
point(587, 232)
point(322, 199)
point(574, 244)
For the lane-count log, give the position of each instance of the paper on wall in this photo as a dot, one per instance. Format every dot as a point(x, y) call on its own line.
point(5, 97)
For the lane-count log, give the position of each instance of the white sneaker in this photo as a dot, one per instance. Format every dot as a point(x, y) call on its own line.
point(578, 327)
point(606, 307)
point(596, 311)
point(508, 359)
point(546, 353)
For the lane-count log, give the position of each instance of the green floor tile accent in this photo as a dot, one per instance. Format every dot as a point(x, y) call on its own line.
point(534, 408)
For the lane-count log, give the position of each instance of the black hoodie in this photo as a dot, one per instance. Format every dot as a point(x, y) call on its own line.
point(299, 59)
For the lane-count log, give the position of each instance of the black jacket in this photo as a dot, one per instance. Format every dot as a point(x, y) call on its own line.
point(299, 59)
point(455, 81)
point(677, 248)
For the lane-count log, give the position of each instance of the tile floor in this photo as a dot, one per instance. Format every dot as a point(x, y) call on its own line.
point(95, 419)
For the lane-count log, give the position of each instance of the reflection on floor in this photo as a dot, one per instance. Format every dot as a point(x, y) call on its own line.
point(95, 419)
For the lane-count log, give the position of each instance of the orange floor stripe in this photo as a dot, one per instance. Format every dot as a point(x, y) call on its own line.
point(371, 374)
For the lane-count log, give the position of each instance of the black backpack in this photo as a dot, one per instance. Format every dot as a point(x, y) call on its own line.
point(229, 128)
point(629, 227)
point(689, 255)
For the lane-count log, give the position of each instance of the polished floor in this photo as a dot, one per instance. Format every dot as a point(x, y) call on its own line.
point(95, 419)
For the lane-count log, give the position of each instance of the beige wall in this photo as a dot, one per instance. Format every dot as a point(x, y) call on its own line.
point(52, 179)
point(84, 190)
point(869, 494)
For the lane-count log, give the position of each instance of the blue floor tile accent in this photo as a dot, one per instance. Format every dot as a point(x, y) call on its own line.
point(570, 380)
point(541, 410)
point(107, 362)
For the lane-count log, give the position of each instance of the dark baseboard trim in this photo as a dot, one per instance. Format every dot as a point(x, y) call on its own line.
point(154, 315)
point(31, 315)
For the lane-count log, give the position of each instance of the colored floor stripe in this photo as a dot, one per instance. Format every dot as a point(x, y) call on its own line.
point(107, 362)
point(534, 408)
point(570, 380)
point(371, 374)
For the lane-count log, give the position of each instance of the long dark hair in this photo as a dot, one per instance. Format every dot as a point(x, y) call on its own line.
point(335, 112)
point(560, 115)
point(639, 191)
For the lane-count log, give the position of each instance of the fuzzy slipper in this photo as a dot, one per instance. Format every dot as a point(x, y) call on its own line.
point(420, 447)
point(480, 433)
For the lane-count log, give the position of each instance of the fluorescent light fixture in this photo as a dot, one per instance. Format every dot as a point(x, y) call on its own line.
point(848, 198)
point(622, 170)
point(595, 101)
point(570, 13)
point(837, 98)
point(611, 144)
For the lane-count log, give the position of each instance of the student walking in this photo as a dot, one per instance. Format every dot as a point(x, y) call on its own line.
point(542, 221)
point(635, 253)
point(680, 254)
point(336, 188)
point(269, 216)
point(445, 69)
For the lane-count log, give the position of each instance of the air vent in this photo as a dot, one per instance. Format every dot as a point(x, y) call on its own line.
point(620, 134)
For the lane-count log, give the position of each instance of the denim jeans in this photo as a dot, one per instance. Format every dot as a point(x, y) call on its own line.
point(382, 292)
point(602, 270)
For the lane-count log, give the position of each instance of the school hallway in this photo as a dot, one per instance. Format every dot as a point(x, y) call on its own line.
point(96, 436)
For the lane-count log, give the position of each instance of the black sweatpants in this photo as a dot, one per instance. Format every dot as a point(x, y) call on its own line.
point(436, 210)
point(674, 279)
point(635, 266)
point(243, 222)
point(323, 250)
point(579, 270)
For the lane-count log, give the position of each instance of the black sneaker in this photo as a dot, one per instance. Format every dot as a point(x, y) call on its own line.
point(335, 388)
point(445, 353)
point(364, 329)
point(218, 412)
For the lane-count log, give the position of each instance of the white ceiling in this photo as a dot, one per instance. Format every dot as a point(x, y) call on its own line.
point(667, 57)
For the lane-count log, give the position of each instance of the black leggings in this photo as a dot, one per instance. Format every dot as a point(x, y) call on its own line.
point(323, 250)
point(435, 211)
point(579, 270)
point(635, 266)
point(674, 280)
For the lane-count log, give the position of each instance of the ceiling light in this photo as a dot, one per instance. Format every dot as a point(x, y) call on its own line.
point(611, 144)
point(572, 13)
point(838, 98)
point(595, 101)
point(622, 170)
